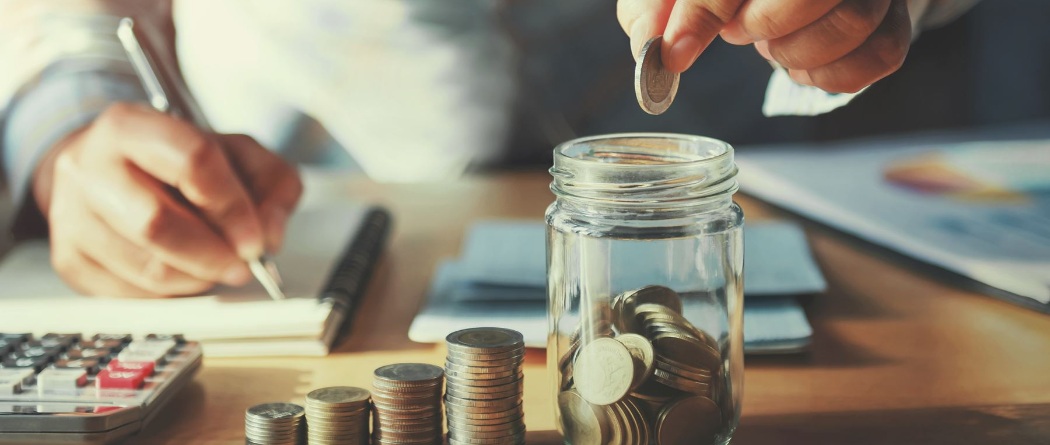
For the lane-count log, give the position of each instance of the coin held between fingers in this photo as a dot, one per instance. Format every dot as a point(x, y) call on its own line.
point(655, 87)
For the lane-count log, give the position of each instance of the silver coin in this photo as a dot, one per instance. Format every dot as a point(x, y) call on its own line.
point(409, 372)
point(280, 410)
point(337, 396)
point(654, 86)
point(485, 338)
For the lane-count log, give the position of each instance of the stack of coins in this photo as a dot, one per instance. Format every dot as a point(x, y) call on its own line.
point(406, 398)
point(337, 415)
point(274, 424)
point(655, 377)
point(484, 386)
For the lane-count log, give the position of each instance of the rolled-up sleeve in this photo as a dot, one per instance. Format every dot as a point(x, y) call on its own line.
point(68, 96)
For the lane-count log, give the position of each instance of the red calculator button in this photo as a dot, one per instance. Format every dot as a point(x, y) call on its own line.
point(109, 379)
point(146, 368)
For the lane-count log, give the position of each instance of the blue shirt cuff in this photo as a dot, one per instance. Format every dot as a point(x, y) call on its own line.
point(68, 96)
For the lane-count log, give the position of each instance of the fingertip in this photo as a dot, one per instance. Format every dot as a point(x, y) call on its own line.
point(641, 32)
point(733, 33)
point(801, 77)
point(762, 47)
point(682, 53)
point(247, 239)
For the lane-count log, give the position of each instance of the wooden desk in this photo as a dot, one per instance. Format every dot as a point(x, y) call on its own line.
point(897, 357)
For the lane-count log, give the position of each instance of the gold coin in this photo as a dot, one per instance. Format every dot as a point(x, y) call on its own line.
point(603, 371)
point(654, 86)
point(687, 351)
point(582, 423)
point(688, 420)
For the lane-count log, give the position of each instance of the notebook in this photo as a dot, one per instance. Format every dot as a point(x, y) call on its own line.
point(500, 280)
point(326, 262)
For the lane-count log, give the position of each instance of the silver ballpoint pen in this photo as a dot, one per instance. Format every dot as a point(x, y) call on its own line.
point(168, 94)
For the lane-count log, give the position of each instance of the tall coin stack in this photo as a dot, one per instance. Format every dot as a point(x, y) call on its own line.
point(337, 415)
point(484, 384)
point(407, 402)
point(274, 424)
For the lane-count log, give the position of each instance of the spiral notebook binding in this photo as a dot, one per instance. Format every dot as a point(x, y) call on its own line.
point(349, 279)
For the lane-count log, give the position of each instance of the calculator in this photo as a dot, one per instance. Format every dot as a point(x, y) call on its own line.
point(69, 388)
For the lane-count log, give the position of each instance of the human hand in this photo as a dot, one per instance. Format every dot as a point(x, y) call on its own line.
point(118, 228)
point(836, 45)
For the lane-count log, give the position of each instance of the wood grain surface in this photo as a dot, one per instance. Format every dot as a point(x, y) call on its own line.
point(899, 355)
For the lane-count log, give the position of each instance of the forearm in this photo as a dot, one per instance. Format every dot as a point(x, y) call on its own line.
point(65, 67)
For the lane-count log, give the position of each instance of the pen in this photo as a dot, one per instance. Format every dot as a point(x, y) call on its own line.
point(168, 94)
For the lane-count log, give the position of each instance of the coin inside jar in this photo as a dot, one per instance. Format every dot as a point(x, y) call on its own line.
point(642, 352)
point(603, 371)
point(581, 422)
point(654, 86)
point(688, 420)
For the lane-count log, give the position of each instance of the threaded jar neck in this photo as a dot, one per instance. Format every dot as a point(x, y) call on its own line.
point(638, 170)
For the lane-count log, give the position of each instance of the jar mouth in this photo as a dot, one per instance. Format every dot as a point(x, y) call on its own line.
point(643, 168)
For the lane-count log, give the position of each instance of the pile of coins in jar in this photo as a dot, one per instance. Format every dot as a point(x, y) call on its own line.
point(643, 374)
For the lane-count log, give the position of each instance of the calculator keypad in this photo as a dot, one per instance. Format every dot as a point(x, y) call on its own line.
point(71, 367)
point(68, 385)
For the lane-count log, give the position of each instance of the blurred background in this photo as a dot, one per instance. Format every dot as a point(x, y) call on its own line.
point(572, 75)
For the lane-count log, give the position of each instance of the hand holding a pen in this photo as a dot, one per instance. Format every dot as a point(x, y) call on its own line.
point(117, 229)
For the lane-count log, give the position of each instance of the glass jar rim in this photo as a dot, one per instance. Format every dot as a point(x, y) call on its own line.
point(647, 169)
point(561, 151)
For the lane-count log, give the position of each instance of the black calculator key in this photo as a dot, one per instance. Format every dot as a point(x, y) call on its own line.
point(122, 338)
point(112, 345)
point(96, 354)
point(36, 363)
point(63, 340)
point(179, 339)
point(36, 348)
point(87, 364)
point(6, 346)
point(15, 337)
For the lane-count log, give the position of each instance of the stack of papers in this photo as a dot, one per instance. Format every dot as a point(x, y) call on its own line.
point(501, 278)
point(979, 209)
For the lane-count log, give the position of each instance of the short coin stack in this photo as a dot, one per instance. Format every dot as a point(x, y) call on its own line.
point(484, 384)
point(407, 404)
point(654, 377)
point(274, 424)
point(337, 415)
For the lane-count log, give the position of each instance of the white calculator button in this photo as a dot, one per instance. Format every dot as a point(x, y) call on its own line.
point(10, 386)
point(60, 380)
point(165, 345)
point(20, 375)
point(156, 356)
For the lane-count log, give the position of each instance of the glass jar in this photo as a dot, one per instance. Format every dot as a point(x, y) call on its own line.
point(645, 290)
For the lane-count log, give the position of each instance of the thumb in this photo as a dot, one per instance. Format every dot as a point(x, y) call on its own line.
point(642, 20)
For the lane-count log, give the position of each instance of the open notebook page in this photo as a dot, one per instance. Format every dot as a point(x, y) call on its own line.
point(34, 299)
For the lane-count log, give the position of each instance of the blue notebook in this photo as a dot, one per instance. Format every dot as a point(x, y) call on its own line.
point(500, 280)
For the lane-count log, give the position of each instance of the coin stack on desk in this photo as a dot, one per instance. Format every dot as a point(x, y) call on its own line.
point(484, 384)
point(654, 377)
point(406, 398)
point(337, 415)
point(274, 424)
